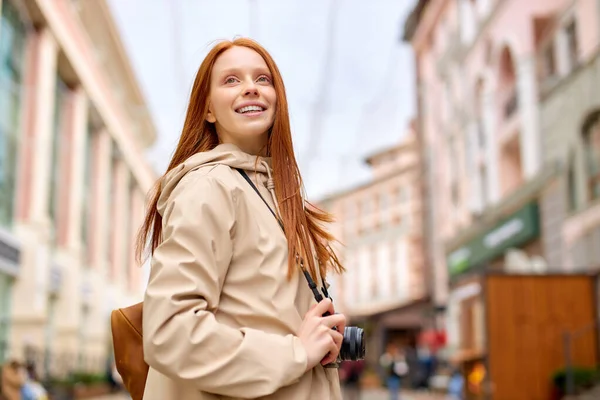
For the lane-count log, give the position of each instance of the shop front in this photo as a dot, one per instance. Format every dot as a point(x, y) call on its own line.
point(467, 266)
point(501, 302)
point(9, 269)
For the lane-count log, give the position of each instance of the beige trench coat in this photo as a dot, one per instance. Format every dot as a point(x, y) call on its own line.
point(220, 316)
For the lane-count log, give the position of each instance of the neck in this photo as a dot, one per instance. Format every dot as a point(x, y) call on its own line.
point(253, 147)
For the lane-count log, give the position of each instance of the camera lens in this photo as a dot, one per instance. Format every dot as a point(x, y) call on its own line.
point(353, 345)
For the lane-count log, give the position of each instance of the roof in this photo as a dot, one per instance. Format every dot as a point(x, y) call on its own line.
point(413, 19)
point(360, 186)
point(408, 141)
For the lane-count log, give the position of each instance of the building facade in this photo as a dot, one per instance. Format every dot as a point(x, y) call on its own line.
point(570, 107)
point(507, 109)
point(73, 178)
point(379, 227)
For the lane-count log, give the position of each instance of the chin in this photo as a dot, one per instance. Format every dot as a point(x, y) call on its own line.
point(253, 131)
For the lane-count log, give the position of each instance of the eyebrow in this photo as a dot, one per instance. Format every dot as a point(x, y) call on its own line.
point(262, 70)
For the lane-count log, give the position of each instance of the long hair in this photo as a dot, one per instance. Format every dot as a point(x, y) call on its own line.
point(303, 222)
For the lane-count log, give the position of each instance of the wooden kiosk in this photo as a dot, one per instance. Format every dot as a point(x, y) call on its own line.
point(512, 332)
point(508, 313)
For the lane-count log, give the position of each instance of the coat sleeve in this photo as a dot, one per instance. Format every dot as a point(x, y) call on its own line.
point(182, 339)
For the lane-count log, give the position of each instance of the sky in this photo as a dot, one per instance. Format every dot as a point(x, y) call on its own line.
point(349, 78)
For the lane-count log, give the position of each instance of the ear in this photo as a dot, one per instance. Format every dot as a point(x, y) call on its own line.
point(210, 116)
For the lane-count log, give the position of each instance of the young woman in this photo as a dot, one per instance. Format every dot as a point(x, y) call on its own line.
point(228, 313)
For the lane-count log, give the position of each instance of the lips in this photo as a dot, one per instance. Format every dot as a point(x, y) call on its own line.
point(251, 108)
point(246, 109)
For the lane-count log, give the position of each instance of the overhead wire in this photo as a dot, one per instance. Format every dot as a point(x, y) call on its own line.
point(321, 102)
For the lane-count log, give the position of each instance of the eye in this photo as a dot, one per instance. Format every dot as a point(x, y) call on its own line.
point(230, 80)
point(264, 79)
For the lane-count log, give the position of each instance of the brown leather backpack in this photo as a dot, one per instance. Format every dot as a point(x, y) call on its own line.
point(126, 326)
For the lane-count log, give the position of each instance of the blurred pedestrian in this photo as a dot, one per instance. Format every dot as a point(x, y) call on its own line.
point(393, 361)
point(13, 378)
point(427, 366)
point(32, 387)
point(456, 385)
point(350, 374)
point(114, 379)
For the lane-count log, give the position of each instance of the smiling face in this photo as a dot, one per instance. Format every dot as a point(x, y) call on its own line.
point(242, 99)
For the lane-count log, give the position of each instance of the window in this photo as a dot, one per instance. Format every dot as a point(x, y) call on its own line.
point(480, 132)
point(507, 81)
point(83, 334)
point(446, 102)
point(55, 161)
point(479, 107)
point(573, 46)
point(571, 186)
point(50, 331)
point(469, 152)
point(112, 244)
point(86, 191)
point(488, 51)
point(549, 61)
point(5, 314)
point(454, 167)
point(398, 219)
point(350, 211)
point(12, 44)
point(402, 194)
point(349, 216)
point(592, 141)
point(366, 206)
point(383, 201)
point(393, 272)
point(511, 104)
point(455, 194)
point(483, 185)
point(129, 233)
point(383, 207)
point(374, 274)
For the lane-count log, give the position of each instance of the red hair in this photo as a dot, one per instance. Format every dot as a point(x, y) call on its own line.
point(302, 225)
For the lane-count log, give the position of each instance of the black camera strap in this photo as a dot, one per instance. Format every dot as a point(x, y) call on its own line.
point(299, 261)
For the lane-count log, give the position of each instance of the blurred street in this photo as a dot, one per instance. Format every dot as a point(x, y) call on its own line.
point(367, 395)
point(407, 395)
point(113, 397)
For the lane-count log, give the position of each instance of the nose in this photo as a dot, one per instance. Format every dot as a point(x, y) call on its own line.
point(251, 89)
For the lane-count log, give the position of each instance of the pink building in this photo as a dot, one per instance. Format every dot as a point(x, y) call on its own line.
point(73, 178)
point(379, 225)
point(508, 108)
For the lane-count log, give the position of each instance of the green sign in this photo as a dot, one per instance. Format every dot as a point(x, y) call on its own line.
point(513, 231)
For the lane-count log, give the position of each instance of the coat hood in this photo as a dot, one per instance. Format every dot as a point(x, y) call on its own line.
point(224, 154)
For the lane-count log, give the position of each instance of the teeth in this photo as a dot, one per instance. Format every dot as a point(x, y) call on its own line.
point(249, 108)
